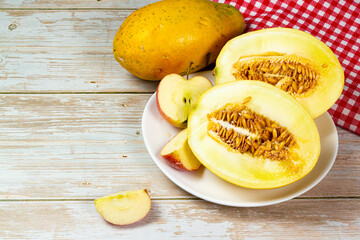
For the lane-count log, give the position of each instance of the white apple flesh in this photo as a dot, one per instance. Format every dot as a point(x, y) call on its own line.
point(125, 207)
point(178, 154)
point(176, 95)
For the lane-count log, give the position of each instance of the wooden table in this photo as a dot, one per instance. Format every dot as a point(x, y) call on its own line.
point(70, 131)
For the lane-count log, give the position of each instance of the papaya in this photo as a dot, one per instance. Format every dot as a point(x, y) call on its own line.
point(253, 134)
point(174, 36)
point(289, 59)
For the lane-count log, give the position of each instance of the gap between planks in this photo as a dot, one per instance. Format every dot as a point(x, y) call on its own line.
point(70, 9)
point(160, 199)
point(65, 92)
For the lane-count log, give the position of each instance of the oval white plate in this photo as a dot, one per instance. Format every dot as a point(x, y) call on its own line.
point(204, 184)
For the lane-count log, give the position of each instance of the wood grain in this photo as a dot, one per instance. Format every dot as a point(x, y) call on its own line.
point(185, 219)
point(70, 131)
point(69, 146)
point(79, 146)
point(74, 3)
point(65, 51)
point(60, 70)
point(61, 29)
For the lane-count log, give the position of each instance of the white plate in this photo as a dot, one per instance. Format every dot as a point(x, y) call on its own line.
point(204, 184)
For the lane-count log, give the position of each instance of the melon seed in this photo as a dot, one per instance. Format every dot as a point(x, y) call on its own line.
point(291, 74)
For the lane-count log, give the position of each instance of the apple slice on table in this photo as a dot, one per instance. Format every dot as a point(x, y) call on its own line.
point(176, 95)
point(125, 207)
point(178, 153)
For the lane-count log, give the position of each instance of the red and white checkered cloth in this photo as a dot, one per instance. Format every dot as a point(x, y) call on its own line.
point(335, 22)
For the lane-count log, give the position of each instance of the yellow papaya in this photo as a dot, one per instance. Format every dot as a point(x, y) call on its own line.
point(174, 36)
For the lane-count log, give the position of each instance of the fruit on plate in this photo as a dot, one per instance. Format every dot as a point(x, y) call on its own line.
point(178, 153)
point(289, 59)
point(125, 207)
point(166, 36)
point(253, 134)
point(176, 95)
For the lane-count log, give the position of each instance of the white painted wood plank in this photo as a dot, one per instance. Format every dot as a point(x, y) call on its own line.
point(77, 146)
point(66, 70)
point(74, 3)
point(67, 118)
point(80, 171)
point(185, 219)
point(60, 28)
point(83, 170)
point(80, 143)
point(63, 51)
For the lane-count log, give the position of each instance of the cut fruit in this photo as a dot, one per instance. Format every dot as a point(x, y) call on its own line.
point(253, 134)
point(125, 207)
point(289, 59)
point(178, 153)
point(176, 95)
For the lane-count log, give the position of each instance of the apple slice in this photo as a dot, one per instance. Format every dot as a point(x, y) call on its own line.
point(176, 95)
point(125, 207)
point(178, 154)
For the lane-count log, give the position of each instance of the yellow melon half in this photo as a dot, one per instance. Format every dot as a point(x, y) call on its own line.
point(261, 101)
point(258, 55)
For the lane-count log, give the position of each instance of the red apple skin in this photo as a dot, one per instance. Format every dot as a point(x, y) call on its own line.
point(174, 161)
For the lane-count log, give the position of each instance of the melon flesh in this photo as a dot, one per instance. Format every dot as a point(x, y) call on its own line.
point(245, 169)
